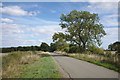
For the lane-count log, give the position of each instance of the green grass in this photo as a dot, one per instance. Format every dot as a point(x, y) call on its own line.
point(28, 64)
point(43, 68)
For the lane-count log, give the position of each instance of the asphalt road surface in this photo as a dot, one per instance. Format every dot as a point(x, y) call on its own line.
point(81, 69)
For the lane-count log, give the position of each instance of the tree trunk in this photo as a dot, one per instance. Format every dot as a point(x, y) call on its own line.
point(84, 47)
point(79, 47)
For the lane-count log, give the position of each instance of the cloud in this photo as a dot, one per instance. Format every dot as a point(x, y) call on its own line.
point(107, 12)
point(103, 7)
point(16, 11)
point(6, 20)
point(33, 13)
point(53, 11)
point(16, 34)
point(94, 0)
point(23, 35)
point(110, 20)
point(46, 29)
point(111, 37)
point(35, 0)
point(11, 30)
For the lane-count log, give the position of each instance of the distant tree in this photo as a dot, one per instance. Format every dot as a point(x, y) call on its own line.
point(53, 47)
point(110, 47)
point(115, 46)
point(44, 46)
point(20, 48)
point(82, 28)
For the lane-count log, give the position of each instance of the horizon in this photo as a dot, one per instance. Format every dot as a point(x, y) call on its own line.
point(33, 23)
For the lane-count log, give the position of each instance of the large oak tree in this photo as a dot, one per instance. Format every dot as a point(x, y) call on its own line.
point(82, 28)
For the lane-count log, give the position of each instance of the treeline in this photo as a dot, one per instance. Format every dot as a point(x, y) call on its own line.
point(20, 48)
point(42, 47)
point(69, 48)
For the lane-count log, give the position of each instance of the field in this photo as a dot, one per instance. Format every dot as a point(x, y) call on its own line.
point(29, 64)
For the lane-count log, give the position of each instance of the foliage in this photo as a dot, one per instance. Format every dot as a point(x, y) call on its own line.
point(82, 28)
point(96, 50)
point(61, 44)
point(20, 48)
point(73, 48)
point(44, 47)
point(115, 46)
point(53, 47)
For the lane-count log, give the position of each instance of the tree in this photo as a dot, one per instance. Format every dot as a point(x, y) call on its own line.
point(73, 48)
point(82, 28)
point(115, 46)
point(61, 44)
point(53, 47)
point(44, 47)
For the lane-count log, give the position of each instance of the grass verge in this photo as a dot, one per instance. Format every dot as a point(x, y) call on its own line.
point(43, 68)
point(28, 64)
point(97, 62)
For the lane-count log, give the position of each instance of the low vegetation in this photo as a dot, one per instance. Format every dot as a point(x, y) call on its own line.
point(108, 61)
point(36, 64)
point(43, 68)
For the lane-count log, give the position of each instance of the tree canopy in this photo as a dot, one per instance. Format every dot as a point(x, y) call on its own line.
point(115, 46)
point(82, 28)
point(44, 46)
point(60, 42)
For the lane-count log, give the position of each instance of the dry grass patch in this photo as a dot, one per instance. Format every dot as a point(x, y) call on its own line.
point(29, 59)
point(12, 63)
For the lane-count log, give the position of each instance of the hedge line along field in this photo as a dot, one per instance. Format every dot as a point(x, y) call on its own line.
point(29, 64)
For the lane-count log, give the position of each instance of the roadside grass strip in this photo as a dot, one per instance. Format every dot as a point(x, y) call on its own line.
point(43, 68)
point(27, 64)
point(111, 66)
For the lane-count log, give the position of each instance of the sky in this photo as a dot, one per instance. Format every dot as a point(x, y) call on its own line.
point(30, 23)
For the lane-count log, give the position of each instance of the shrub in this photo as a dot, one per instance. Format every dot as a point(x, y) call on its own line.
point(108, 54)
point(99, 51)
point(73, 49)
point(96, 50)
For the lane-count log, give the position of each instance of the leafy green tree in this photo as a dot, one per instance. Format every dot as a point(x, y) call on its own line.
point(44, 46)
point(115, 46)
point(82, 28)
point(73, 48)
point(53, 47)
point(61, 44)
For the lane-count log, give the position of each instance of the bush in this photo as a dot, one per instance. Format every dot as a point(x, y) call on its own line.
point(99, 51)
point(108, 54)
point(73, 49)
point(96, 50)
